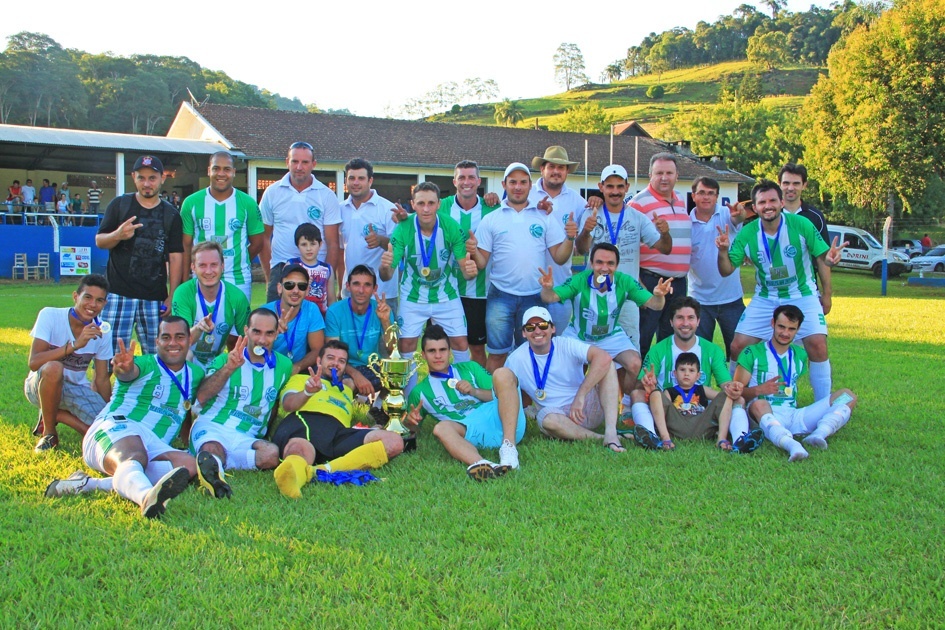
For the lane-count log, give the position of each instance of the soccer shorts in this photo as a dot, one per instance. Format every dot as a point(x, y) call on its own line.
point(234, 442)
point(106, 432)
point(449, 315)
point(756, 320)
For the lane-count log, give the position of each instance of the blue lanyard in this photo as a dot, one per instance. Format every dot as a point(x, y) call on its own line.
point(334, 380)
point(426, 251)
point(777, 237)
point(443, 374)
point(790, 360)
point(216, 304)
point(289, 339)
point(269, 356)
point(541, 380)
point(367, 318)
point(94, 320)
point(607, 283)
point(686, 394)
point(614, 235)
point(185, 390)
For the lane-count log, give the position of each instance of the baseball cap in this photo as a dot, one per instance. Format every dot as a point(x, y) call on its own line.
point(293, 268)
point(613, 169)
point(516, 166)
point(148, 161)
point(536, 311)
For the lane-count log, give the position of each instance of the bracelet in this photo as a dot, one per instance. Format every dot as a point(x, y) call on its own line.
point(67, 349)
point(308, 393)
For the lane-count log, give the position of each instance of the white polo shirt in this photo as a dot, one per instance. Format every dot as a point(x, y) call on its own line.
point(565, 376)
point(284, 208)
point(518, 243)
point(706, 284)
point(355, 223)
point(569, 202)
point(634, 229)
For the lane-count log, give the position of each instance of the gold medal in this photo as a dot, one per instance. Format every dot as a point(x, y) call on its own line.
point(788, 391)
point(186, 405)
point(540, 394)
point(424, 271)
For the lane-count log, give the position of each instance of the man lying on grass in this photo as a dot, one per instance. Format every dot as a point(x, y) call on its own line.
point(473, 410)
point(130, 439)
point(772, 369)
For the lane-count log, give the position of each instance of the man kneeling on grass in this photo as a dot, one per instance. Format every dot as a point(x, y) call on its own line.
point(688, 410)
point(772, 369)
point(473, 410)
point(551, 371)
point(131, 438)
point(318, 429)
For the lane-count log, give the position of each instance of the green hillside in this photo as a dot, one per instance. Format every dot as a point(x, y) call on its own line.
point(686, 89)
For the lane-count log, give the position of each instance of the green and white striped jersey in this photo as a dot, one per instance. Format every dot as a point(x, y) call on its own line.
point(153, 399)
point(788, 272)
point(234, 313)
point(246, 401)
point(445, 403)
point(230, 223)
point(450, 244)
point(594, 313)
point(468, 222)
point(662, 358)
point(762, 364)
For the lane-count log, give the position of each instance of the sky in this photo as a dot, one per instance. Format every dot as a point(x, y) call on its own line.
point(370, 57)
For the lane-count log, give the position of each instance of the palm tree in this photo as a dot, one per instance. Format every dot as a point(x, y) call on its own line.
point(508, 113)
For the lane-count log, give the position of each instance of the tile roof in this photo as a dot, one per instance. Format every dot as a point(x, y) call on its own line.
point(266, 134)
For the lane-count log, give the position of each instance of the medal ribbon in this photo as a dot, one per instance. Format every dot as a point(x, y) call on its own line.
point(790, 361)
point(443, 374)
point(426, 251)
point(216, 304)
point(185, 390)
point(686, 394)
point(541, 380)
point(289, 339)
point(270, 357)
point(94, 320)
point(334, 380)
point(777, 237)
point(614, 234)
point(367, 318)
point(608, 284)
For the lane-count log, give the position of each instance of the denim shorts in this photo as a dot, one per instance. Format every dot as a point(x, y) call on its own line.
point(504, 313)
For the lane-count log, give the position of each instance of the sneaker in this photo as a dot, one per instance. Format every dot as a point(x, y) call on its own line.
point(167, 487)
point(211, 477)
point(47, 442)
point(500, 469)
point(62, 487)
point(646, 438)
point(508, 455)
point(40, 427)
point(748, 442)
point(481, 471)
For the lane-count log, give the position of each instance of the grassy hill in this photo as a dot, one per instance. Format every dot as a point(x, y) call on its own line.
point(686, 89)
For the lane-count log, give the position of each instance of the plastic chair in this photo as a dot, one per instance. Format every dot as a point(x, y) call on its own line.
point(19, 264)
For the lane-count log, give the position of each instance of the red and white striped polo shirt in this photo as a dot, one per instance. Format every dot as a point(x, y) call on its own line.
point(651, 204)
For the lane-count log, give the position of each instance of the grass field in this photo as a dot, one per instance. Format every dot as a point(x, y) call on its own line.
point(578, 537)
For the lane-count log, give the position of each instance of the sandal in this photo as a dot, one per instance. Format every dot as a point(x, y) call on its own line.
point(724, 445)
point(613, 446)
point(667, 445)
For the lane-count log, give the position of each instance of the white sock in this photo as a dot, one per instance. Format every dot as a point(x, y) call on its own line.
point(157, 469)
point(820, 379)
point(626, 402)
point(131, 482)
point(241, 461)
point(739, 424)
point(781, 437)
point(460, 356)
point(833, 420)
point(643, 416)
point(102, 484)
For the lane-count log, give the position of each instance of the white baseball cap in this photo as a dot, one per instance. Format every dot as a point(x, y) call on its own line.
point(613, 169)
point(536, 311)
point(516, 166)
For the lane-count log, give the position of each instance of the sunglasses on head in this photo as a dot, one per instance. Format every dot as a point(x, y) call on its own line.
point(289, 285)
point(540, 326)
point(301, 145)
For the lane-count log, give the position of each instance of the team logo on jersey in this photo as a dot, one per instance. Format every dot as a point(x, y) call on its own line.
point(790, 251)
point(314, 213)
point(445, 255)
point(271, 394)
point(223, 328)
point(206, 224)
point(235, 225)
point(244, 392)
point(199, 434)
point(367, 229)
point(536, 230)
point(121, 426)
point(158, 391)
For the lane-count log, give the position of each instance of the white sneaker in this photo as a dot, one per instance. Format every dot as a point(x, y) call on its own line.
point(63, 487)
point(508, 455)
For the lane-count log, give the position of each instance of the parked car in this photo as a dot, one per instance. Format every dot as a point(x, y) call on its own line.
point(911, 247)
point(864, 252)
point(933, 261)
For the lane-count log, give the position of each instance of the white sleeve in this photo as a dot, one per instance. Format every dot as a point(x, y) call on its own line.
point(265, 208)
point(332, 209)
point(484, 233)
point(554, 233)
point(42, 329)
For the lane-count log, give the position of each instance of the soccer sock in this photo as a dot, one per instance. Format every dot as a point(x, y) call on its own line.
point(739, 424)
point(131, 482)
point(643, 416)
point(833, 420)
point(781, 437)
point(820, 380)
point(365, 457)
point(157, 469)
point(626, 402)
point(102, 484)
point(244, 461)
point(460, 356)
point(291, 475)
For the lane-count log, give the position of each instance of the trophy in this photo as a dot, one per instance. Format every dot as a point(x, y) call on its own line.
point(394, 372)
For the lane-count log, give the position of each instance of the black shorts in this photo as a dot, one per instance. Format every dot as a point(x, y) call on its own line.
point(475, 310)
point(330, 438)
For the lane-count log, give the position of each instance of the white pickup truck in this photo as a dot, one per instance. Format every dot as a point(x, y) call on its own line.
point(864, 252)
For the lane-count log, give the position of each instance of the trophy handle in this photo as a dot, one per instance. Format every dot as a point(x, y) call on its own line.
point(373, 361)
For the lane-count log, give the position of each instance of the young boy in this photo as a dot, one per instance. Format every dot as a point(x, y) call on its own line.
point(308, 238)
point(690, 411)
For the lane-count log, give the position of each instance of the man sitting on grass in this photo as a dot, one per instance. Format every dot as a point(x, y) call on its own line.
point(318, 428)
point(130, 439)
point(551, 371)
point(65, 341)
point(772, 369)
point(473, 410)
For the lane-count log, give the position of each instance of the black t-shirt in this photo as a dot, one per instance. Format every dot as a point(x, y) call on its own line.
point(137, 267)
point(816, 217)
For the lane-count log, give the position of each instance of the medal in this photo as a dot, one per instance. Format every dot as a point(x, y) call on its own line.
point(216, 304)
point(687, 395)
point(289, 339)
point(186, 405)
point(777, 238)
point(452, 383)
point(685, 406)
point(600, 279)
point(788, 391)
point(785, 373)
point(539, 394)
point(290, 354)
point(541, 379)
point(364, 327)
point(424, 271)
point(183, 389)
point(426, 250)
point(105, 327)
point(259, 351)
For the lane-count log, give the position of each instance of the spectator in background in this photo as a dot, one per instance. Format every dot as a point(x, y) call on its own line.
point(28, 193)
point(77, 209)
point(175, 199)
point(62, 207)
point(64, 190)
point(95, 197)
point(47, 196)
point(926, 243)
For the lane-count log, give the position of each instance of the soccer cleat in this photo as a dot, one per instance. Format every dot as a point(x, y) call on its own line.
point(625, 420)
point(211, 477)
point(167, 487)
point(62, 487)
point(749, 442)
point(500, 469)
point(481, 471)
point(46, 443)
point(508, 455)
point(646, 438)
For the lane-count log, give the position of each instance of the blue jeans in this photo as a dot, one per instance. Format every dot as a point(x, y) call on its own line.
point(658, 322)
point(504, 313)
point(726, 315)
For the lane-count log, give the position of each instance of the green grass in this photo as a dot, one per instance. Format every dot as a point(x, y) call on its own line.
point(578, 537)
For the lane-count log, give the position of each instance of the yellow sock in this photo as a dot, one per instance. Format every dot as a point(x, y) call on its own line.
point(371, 455)
point(291, 475)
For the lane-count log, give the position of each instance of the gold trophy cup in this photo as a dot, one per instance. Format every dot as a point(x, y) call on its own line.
point(394, 372)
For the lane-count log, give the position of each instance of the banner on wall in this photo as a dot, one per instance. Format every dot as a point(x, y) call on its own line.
point(75, 261)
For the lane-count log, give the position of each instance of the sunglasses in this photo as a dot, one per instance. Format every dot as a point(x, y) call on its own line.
point(540, 326)
point(290, 285)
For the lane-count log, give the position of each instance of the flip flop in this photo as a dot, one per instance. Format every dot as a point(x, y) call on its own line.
point(724, 445)
point(667, 445)
point(611, 445)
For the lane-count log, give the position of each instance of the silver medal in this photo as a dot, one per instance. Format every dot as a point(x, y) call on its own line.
point(259, 351)
point(105, 327)
point(540, 394)
point(601, 279)
point(452, 383)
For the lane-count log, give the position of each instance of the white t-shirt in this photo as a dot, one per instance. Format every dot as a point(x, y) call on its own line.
point(284, 208)
point(634, 229)
point(376, 211)
point(518, 243)
point(52, 326)
point(706, 284)
point(29, 194)
point(569, 202)
point(565, 375)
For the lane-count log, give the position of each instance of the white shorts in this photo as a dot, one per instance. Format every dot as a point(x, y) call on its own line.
point(231, 440)
point(756, 320)
point(612, 344)
point(450, 315)
point(105, 433)
point(804, 420)
point(629, 320)
point(593, 412)
point(79, 400)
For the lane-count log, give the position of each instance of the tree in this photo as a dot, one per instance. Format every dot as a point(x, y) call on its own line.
point(876, 123)
point(614, 72)
point(769, 49)
point(655, 92)
point(776, 7)
point(585, 118)
point(569, 66)
point(508, 113)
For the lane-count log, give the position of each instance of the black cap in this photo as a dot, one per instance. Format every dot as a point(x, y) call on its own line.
point(295, 267)
point(148, 161)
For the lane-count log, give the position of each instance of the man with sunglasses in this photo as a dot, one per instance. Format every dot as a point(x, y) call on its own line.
point(236, 401)
point(297, 198)
point(551, 370)
point(301, 326)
